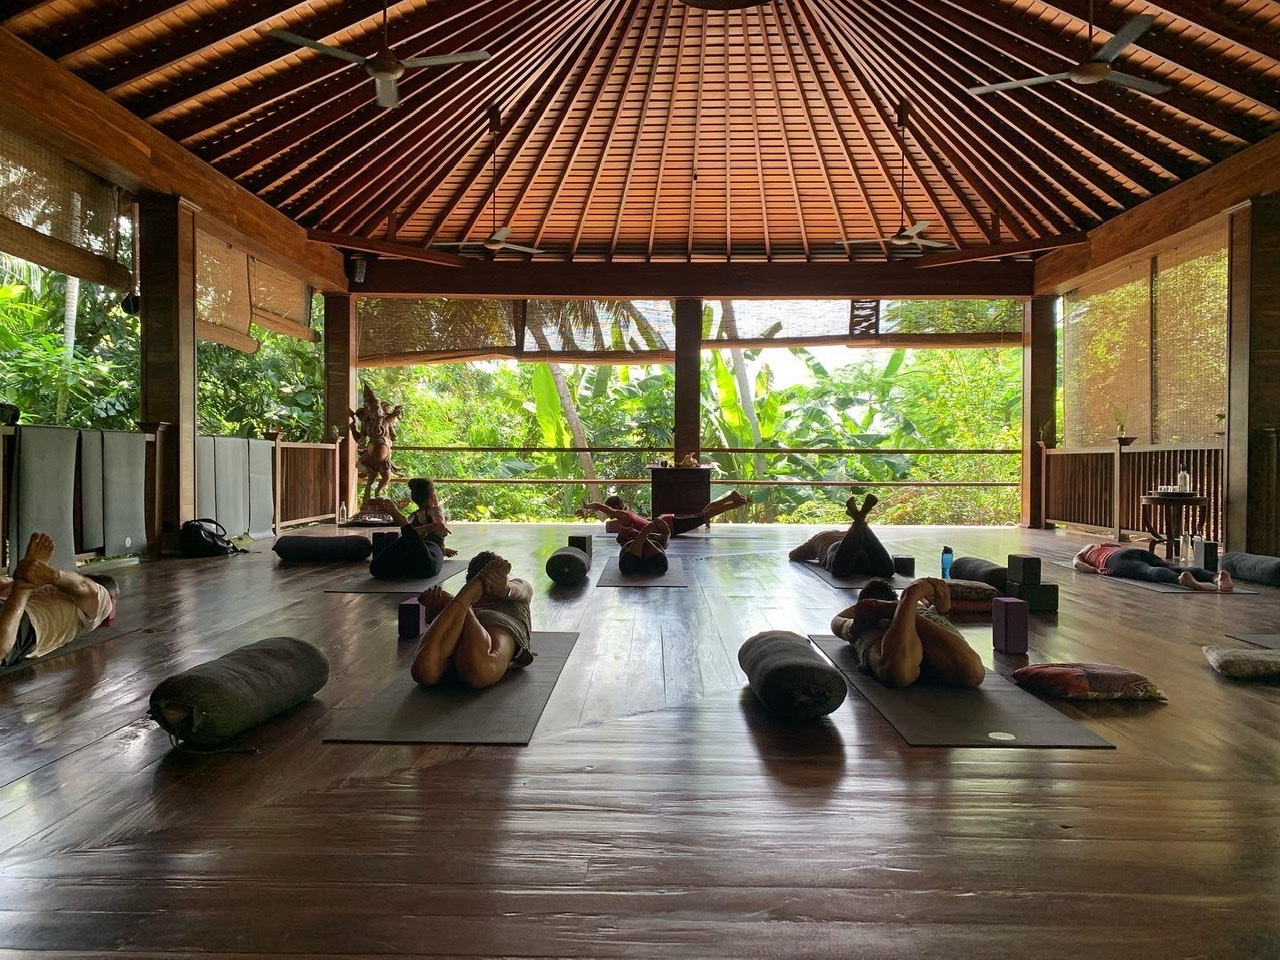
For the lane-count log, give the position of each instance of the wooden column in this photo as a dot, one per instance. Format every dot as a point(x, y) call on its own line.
point(1039, 389)
point(688, 413)
point(1253, 378)
point(167, 282)
point(340, 381)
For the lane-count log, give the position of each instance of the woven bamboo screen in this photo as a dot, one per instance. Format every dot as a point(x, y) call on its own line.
point(787, 320)
point(222, 284)
point(1189, 349)
point(600, 328)
point(951, 316)
point(278, 293)
point(391, 328)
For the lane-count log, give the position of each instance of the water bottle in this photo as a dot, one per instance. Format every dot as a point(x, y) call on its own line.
point(342, 512)
point(947, 557)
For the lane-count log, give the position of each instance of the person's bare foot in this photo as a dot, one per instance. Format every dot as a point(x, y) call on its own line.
point(851, 507)
point(737, 499)
point(1224, 582)
point(34, 567)
point(434, 600)
point(1185, 579)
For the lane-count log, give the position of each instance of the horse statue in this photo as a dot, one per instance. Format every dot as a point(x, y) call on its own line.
point(374, 427)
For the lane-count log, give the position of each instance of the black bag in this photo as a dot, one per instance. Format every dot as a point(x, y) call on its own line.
point(195, 539)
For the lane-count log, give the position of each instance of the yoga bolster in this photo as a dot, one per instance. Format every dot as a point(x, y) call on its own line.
point(320, 549)
point(568, 566)
point(984, 571)
point(1252, 567)
point(215, 701)
point(790, 677)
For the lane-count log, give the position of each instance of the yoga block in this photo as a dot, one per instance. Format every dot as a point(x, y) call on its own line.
point(1205, 554)
point(904, 566)
point(1009, 624)
point(1040, 597)
point(582, 543)
point(412, 619)
point(383, 539)
point(1025, 569)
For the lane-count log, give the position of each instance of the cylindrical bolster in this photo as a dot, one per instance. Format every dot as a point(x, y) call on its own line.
point(984, 571)
point(790, 677)
point(297, 548)
point(568, 566)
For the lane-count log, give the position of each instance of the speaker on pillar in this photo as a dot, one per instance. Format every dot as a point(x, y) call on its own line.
point(357, 266)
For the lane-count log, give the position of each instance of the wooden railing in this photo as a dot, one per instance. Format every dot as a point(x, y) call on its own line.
point(306, 482)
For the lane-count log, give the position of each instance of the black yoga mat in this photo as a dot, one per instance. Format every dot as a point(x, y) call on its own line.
point(93, 637)
point(124, 485)
point(1156, 587)
point(206, 480)
point(367, 584)
point(262, 492)
point(857, 582)
point(1269, 640)
point(43, 495)
point(996, 714)
point(506, 713)
point(614, 577)
point(231, 483)
point(91, 500)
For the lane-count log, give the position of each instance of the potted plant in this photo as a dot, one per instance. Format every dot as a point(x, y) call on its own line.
point(1122, 438)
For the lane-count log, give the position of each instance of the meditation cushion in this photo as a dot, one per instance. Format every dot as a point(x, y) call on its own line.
point(1086, 681)
point(983, 571)
point(1252, 567)
point(215, 701)
point(790, 677)
point(299, 548)
point(971, 598)
point(568, 566)
point(1241, 664)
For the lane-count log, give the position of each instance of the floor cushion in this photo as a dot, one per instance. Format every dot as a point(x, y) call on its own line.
point(1253, 567)
point(1240, 664)
point(972, 590)
point(790, 677)
point(297, 548)
point(1086, 681)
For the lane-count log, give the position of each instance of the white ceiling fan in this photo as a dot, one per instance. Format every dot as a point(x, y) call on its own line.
point(1097, 67)
point(384, 66)
point(497, 239)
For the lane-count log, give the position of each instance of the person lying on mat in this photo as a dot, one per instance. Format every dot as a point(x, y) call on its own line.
point(482, 632)
point(851, 552)
point(902, 641)
point(42, 608)
point(1117, 560)
point(619, 518)
point(419, 551)
point(644, 551)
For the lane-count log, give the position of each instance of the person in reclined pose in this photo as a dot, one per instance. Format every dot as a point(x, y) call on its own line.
point(481, 633)
point(644, 551)
point(1117, 560)
point(851, 552)
point(620, 518)
point(902, 641)
point(42, 608)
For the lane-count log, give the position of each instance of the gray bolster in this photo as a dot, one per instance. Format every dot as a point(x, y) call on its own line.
point(984, 571)
point(790, 677)
point(568, 566)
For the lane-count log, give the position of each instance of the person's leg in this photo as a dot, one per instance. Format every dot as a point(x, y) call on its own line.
point(861, 550)
point(1135, 564)
point(11, 614)
point(451, 622)
point(914, 643)
point(33, 568)
point(482, 657)
point(408, 556)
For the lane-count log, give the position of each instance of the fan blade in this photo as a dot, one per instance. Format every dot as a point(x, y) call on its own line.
point(932, 244)
point(324, 48)
point(1130, 32)
point(1136, 83)
point(516, 246)
point(467, 56)
point(1015, 84)
point(915, 228)
point(388, 92)
point(500, 235)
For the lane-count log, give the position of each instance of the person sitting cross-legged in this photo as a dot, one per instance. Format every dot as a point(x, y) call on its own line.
point(619, 518)
point(419, 551)
point(479, 634)
point(43, 608)
point(1117, 560)
point(850, 552)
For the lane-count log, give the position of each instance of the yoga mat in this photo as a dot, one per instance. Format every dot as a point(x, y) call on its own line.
point(262, 491)
point(124, 489)
point(42, 498)
point(366, 584)
point(1155, 587)
point(91, 537)
point(1269, 640)
point(698, 534)
point(613, 577)
point(206, 487)
point(90, 639)
point(897, 581)
point(996, 714)
point(231, 483)
point(506, 713)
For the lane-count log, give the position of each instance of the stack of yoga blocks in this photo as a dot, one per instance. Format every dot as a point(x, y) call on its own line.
point(1024, 583)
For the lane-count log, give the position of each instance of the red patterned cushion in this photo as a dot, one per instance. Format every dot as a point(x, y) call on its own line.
point(1087, 681)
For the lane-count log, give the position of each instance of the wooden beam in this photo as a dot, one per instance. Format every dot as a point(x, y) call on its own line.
point(290, 328)
point(46, 103)
point(1001, 250)
point(54, 254)
point(1252, 172)
point(226, 336)
point(388, 248)
point(746, 280)
point(687, 425)
point(340, 351)
point(1039, 388)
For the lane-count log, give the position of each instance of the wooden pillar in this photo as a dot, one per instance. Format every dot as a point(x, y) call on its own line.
point(340, 380)
point(1039, 390)
point(167, 282)
point(688, 413)
point(1253, 378)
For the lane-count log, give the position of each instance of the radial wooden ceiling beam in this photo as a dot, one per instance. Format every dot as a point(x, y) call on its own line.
point(388, 248)
point(1208, 16)
point(93, 27)
point(775, 97)
point(691, 213)
point(998, 250)
point(681, 45)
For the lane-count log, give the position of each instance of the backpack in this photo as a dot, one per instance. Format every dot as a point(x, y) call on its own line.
point(195, 539)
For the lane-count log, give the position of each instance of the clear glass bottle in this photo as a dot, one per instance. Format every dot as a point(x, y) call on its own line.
point(1184, 479)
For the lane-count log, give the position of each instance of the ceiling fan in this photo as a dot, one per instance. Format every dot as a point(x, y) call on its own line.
point(1097, 67)
point(497, 239)
point(384, 66)
point(907, 236)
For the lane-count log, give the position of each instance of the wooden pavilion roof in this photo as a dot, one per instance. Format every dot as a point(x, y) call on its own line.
point(655, 131)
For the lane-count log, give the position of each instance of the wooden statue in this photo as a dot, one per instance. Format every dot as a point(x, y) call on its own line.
point(374, 427)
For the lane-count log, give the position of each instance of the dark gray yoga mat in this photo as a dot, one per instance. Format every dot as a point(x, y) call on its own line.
point(231, 483)
point(262, 491)
point(1269, 640)
point(92, 638)
point(996, 714)
point(206, 485)
point(91, 500)
point(614, 577)
point(898, 581)
point(1156, 587)
point(124, 494)
point(43, 495)
point(367, 584)
point(506, 713)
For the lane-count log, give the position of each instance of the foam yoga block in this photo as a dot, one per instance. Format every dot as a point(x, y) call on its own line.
point(1040, 597)
point(412, 619)
point(1025, 569)
point(983, 571)
point(568, 566)
point(582, 543)
point(790, 677)
point(1252, 567)
point(298, 548)
point(1009, 625)
point(215, 701)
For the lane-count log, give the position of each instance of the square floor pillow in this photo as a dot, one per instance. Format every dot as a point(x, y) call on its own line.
point(972, 590)
point(1086, 681)
point(1240, 664)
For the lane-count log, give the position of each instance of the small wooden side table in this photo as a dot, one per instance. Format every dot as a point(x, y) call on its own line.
point(679, 489)
point(1166, 511)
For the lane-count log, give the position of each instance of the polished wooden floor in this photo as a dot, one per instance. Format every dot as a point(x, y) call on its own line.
point(658, 811)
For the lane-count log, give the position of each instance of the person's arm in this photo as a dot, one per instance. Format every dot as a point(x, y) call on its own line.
point(609, 513)
point(1078, 562)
